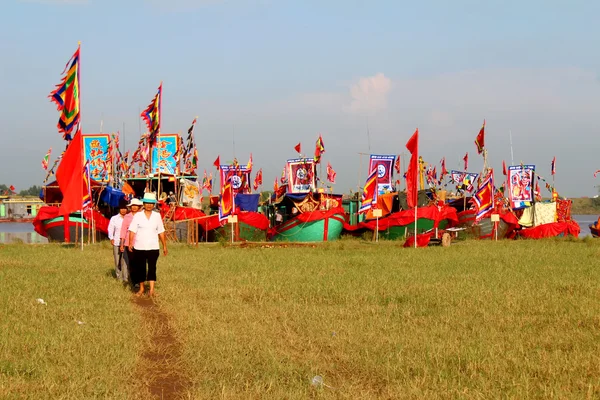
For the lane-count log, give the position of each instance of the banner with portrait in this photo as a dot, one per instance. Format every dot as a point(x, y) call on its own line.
point(385, 171)
point(240, 178)
point(520, 184)
point(164, 154)
point(301, 174)
point(464, 181)
point(95, 150)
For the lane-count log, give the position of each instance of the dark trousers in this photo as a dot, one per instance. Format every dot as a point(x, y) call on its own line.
point(141, 259)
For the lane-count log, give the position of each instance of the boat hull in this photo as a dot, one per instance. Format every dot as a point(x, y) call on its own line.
point(60, 231)
point(594, 231)
point(401, 232)
point(484, 228)
point(321, 230)
point(241, 232)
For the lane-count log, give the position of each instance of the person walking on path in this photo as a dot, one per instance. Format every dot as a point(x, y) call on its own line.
point(134, 205)
point(145, 231)
point(114, 234)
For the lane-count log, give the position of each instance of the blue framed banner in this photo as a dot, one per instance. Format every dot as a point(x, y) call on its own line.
point(385, 171)
point(301, 175)
point(520, 184)
point(95, 150)
point(164, 154)
point(465, 181)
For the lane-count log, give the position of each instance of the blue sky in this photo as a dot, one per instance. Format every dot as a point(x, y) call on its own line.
point(273, 73)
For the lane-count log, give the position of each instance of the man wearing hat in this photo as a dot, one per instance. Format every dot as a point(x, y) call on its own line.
point(145, 231)
point(134, 205)
point(114, 234)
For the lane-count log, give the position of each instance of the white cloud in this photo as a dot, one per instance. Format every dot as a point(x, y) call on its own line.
point(370, 94)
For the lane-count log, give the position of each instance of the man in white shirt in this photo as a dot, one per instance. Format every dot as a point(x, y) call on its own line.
point(114, 234)
point(144, 233)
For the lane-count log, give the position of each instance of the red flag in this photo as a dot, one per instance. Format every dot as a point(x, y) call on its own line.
point(480, 141)
point(504, 171)
point(227, 202)
point(275, 185)
point(444, 170)
point(298, 148)
point(397, 164)
point(466, 160)
point(258, 180)
point(217, 162)
point(411, 174)
point(70, 178)
point(330, 173)
point(12, 188)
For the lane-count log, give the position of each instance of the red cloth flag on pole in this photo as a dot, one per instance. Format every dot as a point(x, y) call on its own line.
point(70, 178)
point(397, 164)
point(444, 170)
point(504, 171)
point(298, 148)
point(553, 166)
point(258, 179)
point(11, 188)
point(480, 140)
point(330, 173)
point(412, 172)
point(275, 186)
point(466, 160)
point(217, 162)
point(226, 203)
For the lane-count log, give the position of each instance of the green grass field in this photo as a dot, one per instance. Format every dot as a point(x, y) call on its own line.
point(512, 319)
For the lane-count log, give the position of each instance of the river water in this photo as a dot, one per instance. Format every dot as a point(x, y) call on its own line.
point(11, 232)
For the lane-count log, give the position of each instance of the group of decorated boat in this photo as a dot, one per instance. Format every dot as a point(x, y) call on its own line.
point(94, 176)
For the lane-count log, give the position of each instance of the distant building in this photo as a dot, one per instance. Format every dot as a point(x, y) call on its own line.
point(19, 208)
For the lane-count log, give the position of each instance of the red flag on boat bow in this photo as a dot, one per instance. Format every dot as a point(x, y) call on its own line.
point(411, 174)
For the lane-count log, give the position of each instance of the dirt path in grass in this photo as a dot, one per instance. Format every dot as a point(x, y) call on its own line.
point(160, 370)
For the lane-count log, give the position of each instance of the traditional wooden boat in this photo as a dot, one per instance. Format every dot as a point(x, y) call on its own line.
point(485, 228)
point(314, 226)
point(67, 229)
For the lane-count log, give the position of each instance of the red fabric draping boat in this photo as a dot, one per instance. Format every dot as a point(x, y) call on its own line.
point(405, 217)
point(551, 230)
point(422, 240)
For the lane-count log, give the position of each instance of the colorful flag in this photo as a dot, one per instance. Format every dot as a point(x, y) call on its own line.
point(217, 162)
point(66, 97)
point(249, 165)
point(152, 116)
point(86, 200)
point(397, 164)
point(298, 148)
point(11, 188)
point(275, 186)
point(319, 150)
point(209, 188)
point(538, 192)
point(504, 171)
point(466, 160)
point(258, 180)
point(46, 160)
point(480, 141)
point(369, 195)
point(226, 201)
point(553, 166)
point(205, 181)
point(69, 176)
point(429, 175)
point(283, 177)
point(411, 174)
point(484, 198)
point(189, 151)
point(330, 173)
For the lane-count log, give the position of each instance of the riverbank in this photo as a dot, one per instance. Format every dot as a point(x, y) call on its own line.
point(586, 206)
point(479, 319)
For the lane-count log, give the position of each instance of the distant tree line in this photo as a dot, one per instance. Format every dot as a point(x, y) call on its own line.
point(32, 191)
